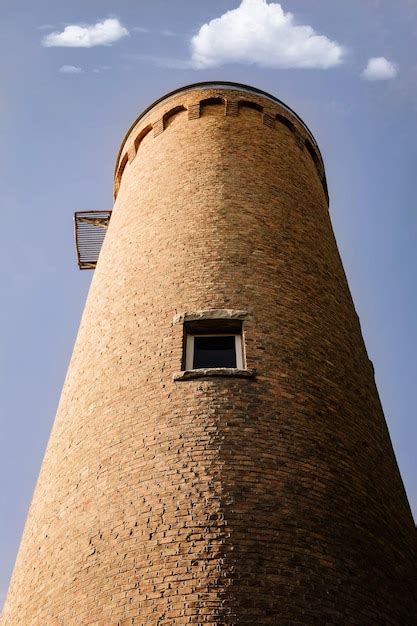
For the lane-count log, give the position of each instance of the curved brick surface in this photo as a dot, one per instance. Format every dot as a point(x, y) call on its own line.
point(267, 500)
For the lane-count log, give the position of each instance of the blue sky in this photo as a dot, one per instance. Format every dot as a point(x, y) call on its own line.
point(64, 110)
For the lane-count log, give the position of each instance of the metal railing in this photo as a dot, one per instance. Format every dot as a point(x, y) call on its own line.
point(90, 228)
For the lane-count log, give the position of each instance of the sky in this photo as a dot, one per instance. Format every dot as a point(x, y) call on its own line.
point(74, 75)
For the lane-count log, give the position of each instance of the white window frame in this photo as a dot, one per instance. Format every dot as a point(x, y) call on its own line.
point(189, 355)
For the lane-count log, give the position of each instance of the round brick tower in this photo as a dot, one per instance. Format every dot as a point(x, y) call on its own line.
point(220, 455)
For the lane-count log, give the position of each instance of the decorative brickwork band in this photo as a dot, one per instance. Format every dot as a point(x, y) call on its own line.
point(268, 120)
point(158, 127)
point(232, 109)
point(194, 111)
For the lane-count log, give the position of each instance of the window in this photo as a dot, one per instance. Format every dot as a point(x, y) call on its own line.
point(213, 344)
point(206, 351)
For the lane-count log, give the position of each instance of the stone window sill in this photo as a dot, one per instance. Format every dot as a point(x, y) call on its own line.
point(214, 371)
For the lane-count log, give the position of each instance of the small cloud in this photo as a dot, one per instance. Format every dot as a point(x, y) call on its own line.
point(70, 69)
point(87, 36)
point(379, 68)
point(168, 33)
point(262, 33)
point(140, 29)
point(102, 68)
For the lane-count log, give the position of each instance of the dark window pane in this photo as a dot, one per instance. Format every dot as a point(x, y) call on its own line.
point(214, 352)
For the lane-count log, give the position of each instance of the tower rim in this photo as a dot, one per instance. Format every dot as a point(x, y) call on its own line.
point(222, 84)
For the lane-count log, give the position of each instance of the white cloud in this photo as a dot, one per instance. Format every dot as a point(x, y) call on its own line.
point(102, 68)
point(70, 69)
point(379, 68)
point(262, 33)
point(86, 36)
point(140, 29)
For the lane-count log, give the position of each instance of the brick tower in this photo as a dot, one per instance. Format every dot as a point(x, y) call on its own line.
point(219, 455)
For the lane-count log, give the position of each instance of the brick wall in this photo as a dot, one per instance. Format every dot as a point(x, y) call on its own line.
point(266, 500)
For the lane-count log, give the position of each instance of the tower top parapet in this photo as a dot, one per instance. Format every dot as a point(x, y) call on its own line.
point(272, 111)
